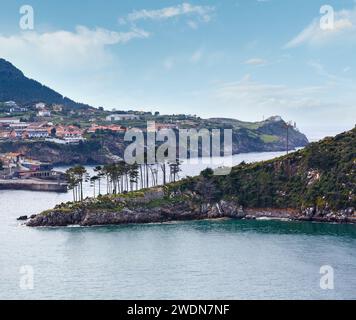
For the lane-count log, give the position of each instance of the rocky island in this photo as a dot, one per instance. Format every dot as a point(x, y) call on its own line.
point(317, 183)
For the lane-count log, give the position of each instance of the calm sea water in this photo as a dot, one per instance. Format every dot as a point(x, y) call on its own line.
point(223, 259)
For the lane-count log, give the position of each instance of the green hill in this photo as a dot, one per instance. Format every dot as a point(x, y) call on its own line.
point(322, 175)
point(15, 86)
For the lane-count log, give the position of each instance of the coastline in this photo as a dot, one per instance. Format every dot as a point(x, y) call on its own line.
point(155, 208)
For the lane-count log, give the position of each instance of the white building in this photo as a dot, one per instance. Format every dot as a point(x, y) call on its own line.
point(37, 133)
point(44, 113)
point(122, 117)
point(40, 105)
point(9, 120)
point(19, 126)
point(11, 104)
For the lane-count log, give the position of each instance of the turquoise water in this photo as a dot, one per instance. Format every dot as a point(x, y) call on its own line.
point(202, 260)
point(223, 259)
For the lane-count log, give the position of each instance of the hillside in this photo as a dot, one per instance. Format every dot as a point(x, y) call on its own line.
point(267, 135)
point(314, 184)
point(323, 175)
point(15, 86)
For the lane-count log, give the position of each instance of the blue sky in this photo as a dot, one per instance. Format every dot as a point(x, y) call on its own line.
point(245, 59)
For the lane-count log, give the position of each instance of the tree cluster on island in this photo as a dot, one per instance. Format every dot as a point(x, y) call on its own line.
point(121, 177)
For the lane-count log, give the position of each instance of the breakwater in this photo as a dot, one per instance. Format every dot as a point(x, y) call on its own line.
point(34, 185)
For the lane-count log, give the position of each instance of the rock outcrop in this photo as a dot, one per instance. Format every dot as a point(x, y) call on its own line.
point(154, 206)
point(134, 212)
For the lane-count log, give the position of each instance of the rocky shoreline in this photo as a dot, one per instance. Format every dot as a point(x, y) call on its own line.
point(154, 207)
point(314, 184)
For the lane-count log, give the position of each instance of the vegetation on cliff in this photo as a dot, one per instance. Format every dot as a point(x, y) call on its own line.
point(322, 175)
point(316, 183)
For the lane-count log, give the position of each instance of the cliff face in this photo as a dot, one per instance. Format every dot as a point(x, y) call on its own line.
point(92, 152)
point(159, 207)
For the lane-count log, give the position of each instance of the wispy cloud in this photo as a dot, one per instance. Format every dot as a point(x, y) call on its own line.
point(202, 13)
point(255, 62)
point(313, 34)
point(309, 104)
point(196, 56)
point(259, 96)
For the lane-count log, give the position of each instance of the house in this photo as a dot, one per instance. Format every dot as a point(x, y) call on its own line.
point(19, 126)
point(114, 128)
point(152, 127)
point(12, 159)
point(15, 134)
point(12, 107)
point(9, 120)
point(18, 110)
point(162, 126)
point(11, 104)
point(4, 134)
point(44, 113)
point(57, 108)
point(70, 134)
point(35, 133)
point(40, 106)
point(122, 117)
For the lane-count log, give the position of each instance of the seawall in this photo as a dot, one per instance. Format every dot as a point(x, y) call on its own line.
point(34, 185)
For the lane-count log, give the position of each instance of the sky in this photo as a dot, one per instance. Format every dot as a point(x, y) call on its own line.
point(243, 59)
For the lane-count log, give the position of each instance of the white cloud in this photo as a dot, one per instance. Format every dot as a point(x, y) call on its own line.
point(313, 34)
point(64, 48)
point(78, 64)
point(255, 62)
point(258, 96)
point(197, 56)
point(321, 71)
point(202, 13)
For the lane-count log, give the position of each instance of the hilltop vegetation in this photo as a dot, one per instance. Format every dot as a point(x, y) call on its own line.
point(323, 175)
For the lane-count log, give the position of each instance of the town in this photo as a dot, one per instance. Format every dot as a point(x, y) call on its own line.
point(59, 124)
point(36, 137)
